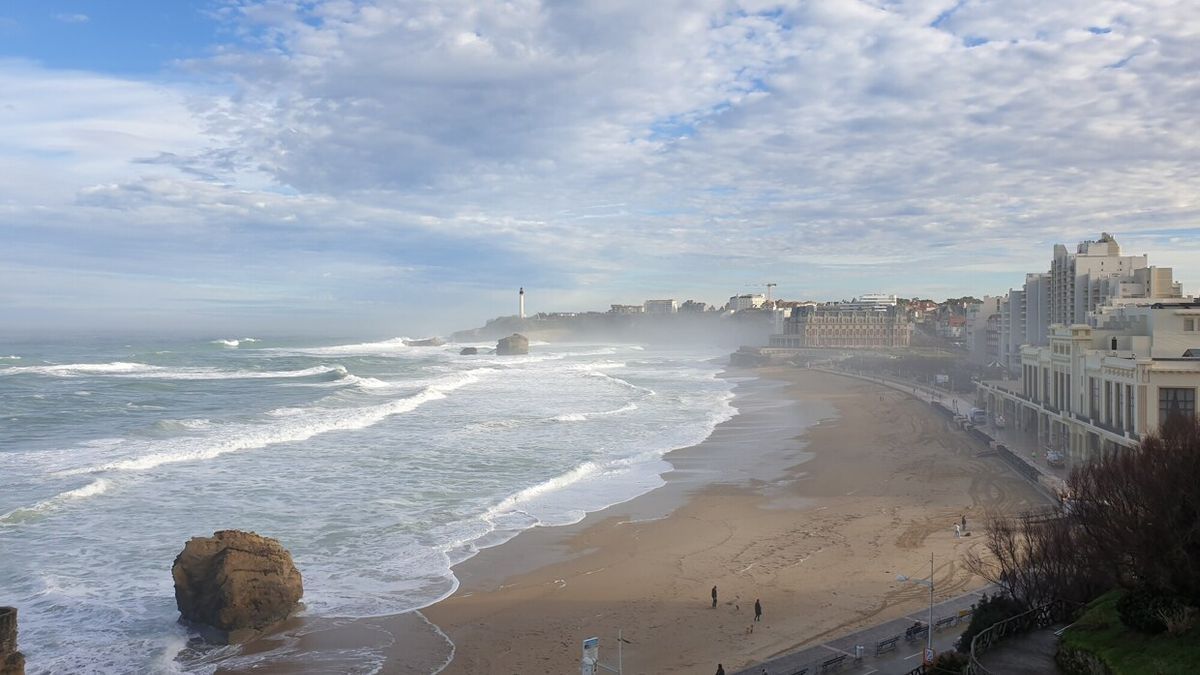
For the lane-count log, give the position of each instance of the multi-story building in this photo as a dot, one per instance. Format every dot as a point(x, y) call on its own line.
point(1078, 286)
point(745, 301)
point(1096, 389)
point(626, 309)
point(983, 331)
point(844, 326)
point(872, 301)
point(661, 306)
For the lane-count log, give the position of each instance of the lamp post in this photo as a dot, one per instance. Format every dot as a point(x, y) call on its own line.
point(929, 629)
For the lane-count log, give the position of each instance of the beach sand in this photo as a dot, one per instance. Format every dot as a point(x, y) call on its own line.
point(816, 523)
point(813, 498)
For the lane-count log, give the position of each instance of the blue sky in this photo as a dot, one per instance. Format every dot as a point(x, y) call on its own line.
point(401, 166)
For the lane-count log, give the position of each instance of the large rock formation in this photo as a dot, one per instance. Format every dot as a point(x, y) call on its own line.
point(469, 351)
point(513, 344)
point(235, 582)
point(12, 662)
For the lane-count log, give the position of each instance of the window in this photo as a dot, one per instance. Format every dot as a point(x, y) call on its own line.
point(1189, 324)
point(1129, 421)
point(1093, 398)
point(1175, 401)
point(1107, 402)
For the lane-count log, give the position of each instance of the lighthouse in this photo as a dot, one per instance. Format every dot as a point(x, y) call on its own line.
point(521, 303)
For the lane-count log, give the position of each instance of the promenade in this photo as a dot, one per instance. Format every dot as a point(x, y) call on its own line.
point(885, 649)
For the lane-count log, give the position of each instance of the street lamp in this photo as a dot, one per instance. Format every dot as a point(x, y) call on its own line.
point(929, 629)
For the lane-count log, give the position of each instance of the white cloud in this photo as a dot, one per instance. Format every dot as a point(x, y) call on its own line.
point(72, 18)
point(925, 138)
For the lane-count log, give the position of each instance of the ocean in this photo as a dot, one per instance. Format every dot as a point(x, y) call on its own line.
point(378, 465)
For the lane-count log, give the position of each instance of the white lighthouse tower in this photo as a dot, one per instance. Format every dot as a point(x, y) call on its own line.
point(521, 303)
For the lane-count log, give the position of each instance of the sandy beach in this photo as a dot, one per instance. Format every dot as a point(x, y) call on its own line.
point(817, 525)
point(812, 499)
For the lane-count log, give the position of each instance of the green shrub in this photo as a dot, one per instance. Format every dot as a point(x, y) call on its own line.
point(988, 611)
point(1142, 609)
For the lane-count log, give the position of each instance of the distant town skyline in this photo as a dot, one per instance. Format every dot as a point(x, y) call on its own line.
point(403, 167)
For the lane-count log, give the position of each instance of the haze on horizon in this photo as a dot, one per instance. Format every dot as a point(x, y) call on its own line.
point(403, 166)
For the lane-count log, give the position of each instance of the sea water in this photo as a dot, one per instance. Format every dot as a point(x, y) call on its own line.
point(378, 465)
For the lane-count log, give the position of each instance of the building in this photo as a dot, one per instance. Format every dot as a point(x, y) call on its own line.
point(1096, 274)
point(626, 309)
point(738, 303)
point(844, 326)
point(1096, 389)
point(982, 331)
point(694, 306)
point(872, 302)
point(660, 306)
point(1078, 286)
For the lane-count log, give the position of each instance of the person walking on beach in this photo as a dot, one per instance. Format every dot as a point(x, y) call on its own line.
point(957, 531)
point(714, 594)
point(964, 523)
point(720, 669)
point(757, 610)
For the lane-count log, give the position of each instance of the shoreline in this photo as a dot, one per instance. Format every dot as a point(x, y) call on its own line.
point(290, 646)
point(813, 496)
point(816, 520)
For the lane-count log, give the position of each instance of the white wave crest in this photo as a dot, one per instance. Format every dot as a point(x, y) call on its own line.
point(10, 358)
point(583, 417)
point(301, 424)
point(96, 487)
point(147, 371)
point(512, 502)
point(365, 382)
point(618, 381)
point(234, 342)
point(76, 369)
point(384, 347)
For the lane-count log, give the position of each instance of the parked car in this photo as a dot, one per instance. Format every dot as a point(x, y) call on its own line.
point(1055, 458)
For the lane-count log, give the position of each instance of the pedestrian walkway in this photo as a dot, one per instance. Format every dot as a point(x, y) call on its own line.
point(1023, 654)
point(887, 648)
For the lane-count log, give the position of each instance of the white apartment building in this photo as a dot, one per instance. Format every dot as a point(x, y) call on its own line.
point(661, 306)
point(1096, 389)
point(982, 331)
point(1078, 286)
point(746, 301)
point(871, 302)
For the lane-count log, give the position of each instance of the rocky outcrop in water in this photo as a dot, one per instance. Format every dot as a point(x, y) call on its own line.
point(469, 351)
point(512, 345)
point(12, 662)
point(236, 583)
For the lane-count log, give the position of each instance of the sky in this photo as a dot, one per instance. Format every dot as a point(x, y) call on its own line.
point(401, 167)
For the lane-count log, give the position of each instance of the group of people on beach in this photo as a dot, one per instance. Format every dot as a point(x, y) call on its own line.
point(758, 612)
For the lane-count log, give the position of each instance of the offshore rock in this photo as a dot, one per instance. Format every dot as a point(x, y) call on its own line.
point(512, 345)
point(236, 583)
point(469, 351)
point(12, 662)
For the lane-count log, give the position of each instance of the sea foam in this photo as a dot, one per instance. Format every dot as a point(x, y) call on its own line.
point(302, 424)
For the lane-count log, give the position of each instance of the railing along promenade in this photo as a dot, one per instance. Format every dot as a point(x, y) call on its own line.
point(1038, 617)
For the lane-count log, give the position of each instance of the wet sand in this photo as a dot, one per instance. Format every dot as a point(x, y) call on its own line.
point(816, 520)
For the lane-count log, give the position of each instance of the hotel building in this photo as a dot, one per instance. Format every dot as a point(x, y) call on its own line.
point(1095, 389)
point(844, 326)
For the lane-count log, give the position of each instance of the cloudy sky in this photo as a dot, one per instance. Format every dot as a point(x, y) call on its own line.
point(401, 167)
